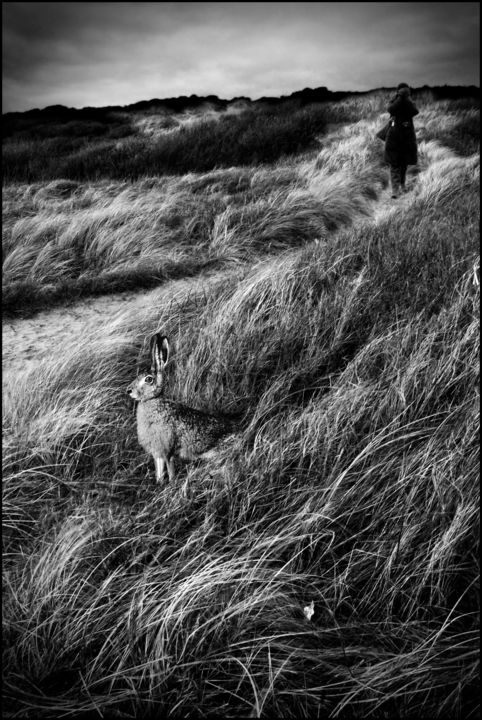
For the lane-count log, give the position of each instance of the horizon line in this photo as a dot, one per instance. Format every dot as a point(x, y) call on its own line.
point(237, 97)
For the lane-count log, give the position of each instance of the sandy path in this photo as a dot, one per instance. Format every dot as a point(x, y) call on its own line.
point(386, 204)
point(29, 339)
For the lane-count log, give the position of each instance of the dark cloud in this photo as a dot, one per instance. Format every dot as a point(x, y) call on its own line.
point(99, 53)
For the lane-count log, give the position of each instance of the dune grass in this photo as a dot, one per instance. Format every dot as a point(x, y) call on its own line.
point(67, 238)
point(351, 349)
point(247, 137)
point(74, 239)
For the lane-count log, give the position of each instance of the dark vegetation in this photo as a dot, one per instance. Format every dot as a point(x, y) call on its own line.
point(464, 137)
point(93, 143)
point(252, 137)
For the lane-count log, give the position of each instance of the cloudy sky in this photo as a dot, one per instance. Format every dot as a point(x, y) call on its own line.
point(110, 53)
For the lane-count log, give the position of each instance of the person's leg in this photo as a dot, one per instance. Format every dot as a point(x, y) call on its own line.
point(395, 180)
point(403, 174)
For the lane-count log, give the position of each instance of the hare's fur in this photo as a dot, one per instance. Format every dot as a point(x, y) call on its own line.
point(167, 429)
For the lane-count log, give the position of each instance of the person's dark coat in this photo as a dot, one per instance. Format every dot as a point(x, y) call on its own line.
point(401, 142)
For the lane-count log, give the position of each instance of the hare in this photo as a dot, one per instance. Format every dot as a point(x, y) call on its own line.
point(168, 429)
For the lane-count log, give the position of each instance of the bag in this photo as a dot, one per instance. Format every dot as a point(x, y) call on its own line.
point(382, 134)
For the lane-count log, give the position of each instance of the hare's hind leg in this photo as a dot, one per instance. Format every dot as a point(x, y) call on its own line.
point(160, 465)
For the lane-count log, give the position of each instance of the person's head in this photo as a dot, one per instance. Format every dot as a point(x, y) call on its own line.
point(403, 90)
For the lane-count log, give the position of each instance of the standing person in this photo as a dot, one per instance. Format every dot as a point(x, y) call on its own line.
point(401, 142)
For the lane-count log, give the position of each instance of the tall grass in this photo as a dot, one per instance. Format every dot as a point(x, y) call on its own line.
point(249, 137)
point(369, 514)
point(455, 127)
point(73, 239)
point(91, 144)
point(352, 354)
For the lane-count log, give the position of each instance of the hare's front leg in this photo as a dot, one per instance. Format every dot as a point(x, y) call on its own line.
point(171, 468)
point(159, 462)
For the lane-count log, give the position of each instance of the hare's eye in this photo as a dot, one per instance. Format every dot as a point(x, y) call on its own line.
point(149, 379)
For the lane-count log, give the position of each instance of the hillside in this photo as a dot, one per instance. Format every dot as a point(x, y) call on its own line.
point(179, 135)
point(343, 328)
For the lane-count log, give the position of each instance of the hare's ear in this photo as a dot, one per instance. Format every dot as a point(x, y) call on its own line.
point(164, 351)
point(159, 352)
point(152, 352)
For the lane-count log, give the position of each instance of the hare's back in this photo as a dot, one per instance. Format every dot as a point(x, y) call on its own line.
point(198, 431)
